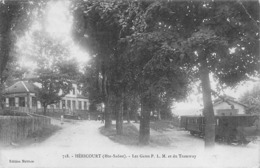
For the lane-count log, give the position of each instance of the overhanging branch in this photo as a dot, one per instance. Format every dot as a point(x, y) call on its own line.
point(255, 22)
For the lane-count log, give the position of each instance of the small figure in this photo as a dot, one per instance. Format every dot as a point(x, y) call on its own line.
point(61, 119)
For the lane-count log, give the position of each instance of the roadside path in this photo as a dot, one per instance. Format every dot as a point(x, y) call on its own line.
point(80, 144)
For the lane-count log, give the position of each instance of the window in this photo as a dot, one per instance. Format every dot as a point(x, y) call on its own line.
point(11, 101)
point(85, 105)
point(58, 105)
point(63, 104)
point(68, 104)
point(34, 102)
point(80, 105)
point(73, 104)
point(73, 91)
point(21, 101)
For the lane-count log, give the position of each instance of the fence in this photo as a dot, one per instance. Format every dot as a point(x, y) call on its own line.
point(33, 109)
point(56, 113)
point(17, 128)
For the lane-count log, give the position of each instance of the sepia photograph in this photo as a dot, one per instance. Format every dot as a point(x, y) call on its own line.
point(129, 83)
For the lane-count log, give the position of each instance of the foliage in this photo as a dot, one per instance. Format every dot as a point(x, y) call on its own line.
point(8, 18)
point(54, 71)
point(98, 29)
point(91, 81)
point(13, 72)
point(157, 48)
point(207, 33)
point(15, 17)
point(132, 104)
point(251, 98)
point(212, 28)
point(54, 86)
point(153, 71)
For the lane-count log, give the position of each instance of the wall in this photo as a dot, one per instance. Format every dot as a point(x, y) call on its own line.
point(224, 105)
point(17, 128)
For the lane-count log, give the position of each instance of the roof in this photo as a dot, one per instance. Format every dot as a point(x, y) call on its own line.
point(225, 97)
point(21, 87)
point(227, 101)
point(81, 96)
point(237, 115)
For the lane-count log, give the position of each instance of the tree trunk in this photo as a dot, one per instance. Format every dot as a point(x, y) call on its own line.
point(144, 133)
point(4, 56)
point(135, 111)
point(126, 110)
point(159, 114)
point(119, 115)
point(1, 96)
point(44, 110)
point(136, 116)
point(128, 115)
point(108, 118)
point(208, 111)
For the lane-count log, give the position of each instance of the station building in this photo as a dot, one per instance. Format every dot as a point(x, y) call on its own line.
point(22, 95)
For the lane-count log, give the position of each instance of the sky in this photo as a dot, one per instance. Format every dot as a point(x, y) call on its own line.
point(59, 22)
point(194, 104)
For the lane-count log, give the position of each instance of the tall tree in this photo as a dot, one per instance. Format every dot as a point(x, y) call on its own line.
point(199, 37)
point(221, 38)
point(9, 12)
point(153, 72)
point(91, 80)
point(208, 34)
point(55, 72)
point(97, 30)
point(15, 18)
point(104, 24)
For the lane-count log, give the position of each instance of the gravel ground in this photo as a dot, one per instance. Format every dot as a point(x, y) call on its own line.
point(80, 144)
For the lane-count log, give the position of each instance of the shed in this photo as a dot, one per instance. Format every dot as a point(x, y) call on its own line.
point(228, 106)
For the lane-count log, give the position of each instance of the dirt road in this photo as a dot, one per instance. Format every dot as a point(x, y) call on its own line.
point(80, 144)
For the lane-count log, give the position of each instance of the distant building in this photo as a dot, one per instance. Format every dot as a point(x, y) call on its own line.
point(23, 94)
point(227, 105)
point(20, 94)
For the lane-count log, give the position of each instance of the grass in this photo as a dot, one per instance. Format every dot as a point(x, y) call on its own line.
point(161, 125)
point(129, 137)
point(131, 134)
point(161, 139)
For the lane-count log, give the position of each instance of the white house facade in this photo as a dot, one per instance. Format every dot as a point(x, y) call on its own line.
point(23, 94)
point(228, 107)
point(72, 101)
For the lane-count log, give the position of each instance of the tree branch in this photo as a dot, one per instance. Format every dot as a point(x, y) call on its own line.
point(255, 22)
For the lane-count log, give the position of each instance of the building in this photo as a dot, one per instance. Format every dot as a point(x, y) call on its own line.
point(73, 101)
point(228, 106)
point(23, 94)
point(20, 94)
